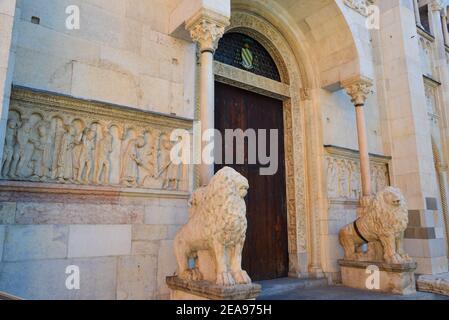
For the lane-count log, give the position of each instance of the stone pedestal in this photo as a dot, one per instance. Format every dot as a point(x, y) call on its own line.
point(396, 279)
point(203, 290)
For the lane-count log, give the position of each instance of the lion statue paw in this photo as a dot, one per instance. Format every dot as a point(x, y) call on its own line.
point(225, 279)
point(241, 277)
point(192, 275)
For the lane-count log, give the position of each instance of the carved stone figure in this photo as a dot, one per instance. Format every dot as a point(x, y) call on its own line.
point(380, 180)
point(355, 180)
point(86, 160)
point(103, 166)
point(77, 150)
point(10, 142)
point(59, 131)
point(382, 219)
point(131, 162)
point(332, 178)
point(168, 169)
point(218, 224)
point(23, 151)
point(40, 157)
point(64, 171)
point(344, 176)
point(148, 169)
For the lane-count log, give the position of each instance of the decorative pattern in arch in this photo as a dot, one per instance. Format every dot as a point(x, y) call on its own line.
point(273, 41)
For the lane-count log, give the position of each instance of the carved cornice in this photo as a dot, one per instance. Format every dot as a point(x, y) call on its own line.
point(206, 28)
point(354, 154)
point(53, 101)
point(358, 89)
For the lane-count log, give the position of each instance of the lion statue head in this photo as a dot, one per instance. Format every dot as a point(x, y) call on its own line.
point(389, 211)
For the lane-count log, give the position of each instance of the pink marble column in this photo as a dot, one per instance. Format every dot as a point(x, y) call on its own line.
point(358, 90)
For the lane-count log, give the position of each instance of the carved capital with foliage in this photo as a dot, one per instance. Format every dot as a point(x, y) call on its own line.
point(207, 28)
point(358, 89)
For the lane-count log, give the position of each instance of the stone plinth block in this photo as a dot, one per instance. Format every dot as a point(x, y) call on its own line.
point(438, 284)
point(203, 290)
point(394, 278)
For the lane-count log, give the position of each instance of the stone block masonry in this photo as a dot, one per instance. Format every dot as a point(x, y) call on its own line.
point(121, 254)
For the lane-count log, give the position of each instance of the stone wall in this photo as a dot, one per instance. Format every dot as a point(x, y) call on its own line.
point(121, 54)
point(121, 242)
point(117, 229)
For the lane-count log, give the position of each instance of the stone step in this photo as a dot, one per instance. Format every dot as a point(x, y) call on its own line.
point(283, 285)
point(438, 284)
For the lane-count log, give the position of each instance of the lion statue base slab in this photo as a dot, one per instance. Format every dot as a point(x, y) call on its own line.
point(217, 224)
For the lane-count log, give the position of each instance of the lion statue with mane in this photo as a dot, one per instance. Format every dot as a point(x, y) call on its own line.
point(217, 224)
point(381, 224)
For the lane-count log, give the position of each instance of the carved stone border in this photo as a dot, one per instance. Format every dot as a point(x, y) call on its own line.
point(246, 80)
point(57, 102)
point(277, 46)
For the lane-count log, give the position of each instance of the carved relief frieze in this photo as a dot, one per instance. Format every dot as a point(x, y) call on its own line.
point(343, 175)
point(69, 141)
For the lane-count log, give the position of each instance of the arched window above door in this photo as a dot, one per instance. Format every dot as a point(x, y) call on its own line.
point(243, 52)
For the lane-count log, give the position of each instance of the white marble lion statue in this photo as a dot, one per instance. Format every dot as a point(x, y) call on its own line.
point(217, 224)
point(381, 223)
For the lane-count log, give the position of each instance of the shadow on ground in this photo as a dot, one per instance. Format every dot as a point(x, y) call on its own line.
point(294, 289)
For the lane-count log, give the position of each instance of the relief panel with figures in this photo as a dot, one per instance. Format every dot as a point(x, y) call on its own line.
point(63, 140)
point(343, 177)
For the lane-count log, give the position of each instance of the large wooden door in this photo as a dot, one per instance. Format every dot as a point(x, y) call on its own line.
point(265, 255)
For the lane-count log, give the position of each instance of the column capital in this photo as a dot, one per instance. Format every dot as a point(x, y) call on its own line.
point(206, 28)
point(358, 89)
point(437, 5)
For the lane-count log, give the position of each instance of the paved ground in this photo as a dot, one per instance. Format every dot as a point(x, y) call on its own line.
point(318, 290)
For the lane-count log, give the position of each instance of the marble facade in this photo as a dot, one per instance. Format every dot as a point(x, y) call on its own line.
point(85, 118)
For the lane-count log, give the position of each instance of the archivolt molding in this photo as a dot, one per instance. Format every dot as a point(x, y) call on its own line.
point(274, 42)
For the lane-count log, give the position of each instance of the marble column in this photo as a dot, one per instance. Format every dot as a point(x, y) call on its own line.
point(445, 31)
point(442, 176)
point(358, 90)
point(440, 62)
point(417, 15)
point(206, 30)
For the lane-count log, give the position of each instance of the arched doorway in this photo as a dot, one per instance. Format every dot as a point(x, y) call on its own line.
point(256, 117)
point(273, 84)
